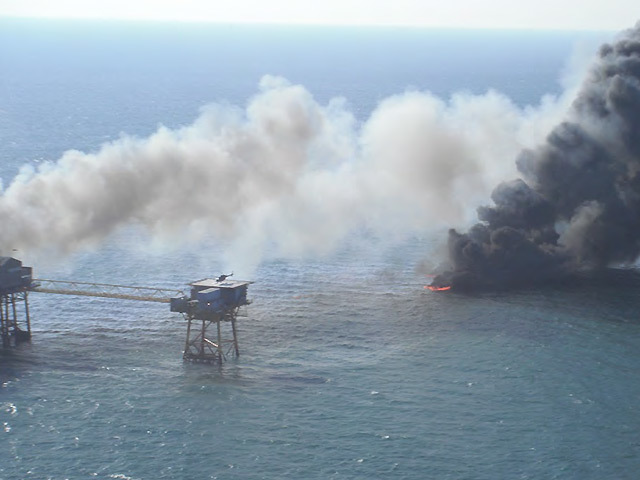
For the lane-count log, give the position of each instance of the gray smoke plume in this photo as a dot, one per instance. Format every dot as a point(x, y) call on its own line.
point(285, 172)
point(577, 205)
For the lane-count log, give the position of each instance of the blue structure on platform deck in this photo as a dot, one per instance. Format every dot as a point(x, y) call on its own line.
point(15, 283)
point(211, 301)
point(211, 297)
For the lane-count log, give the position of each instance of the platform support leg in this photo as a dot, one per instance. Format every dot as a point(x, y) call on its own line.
point(235, 335)
point(15, 317)
point(216, 347)
point(203, 336)
point(26, 311)
point(4, 323)
point(220, 352)
point(185, 355)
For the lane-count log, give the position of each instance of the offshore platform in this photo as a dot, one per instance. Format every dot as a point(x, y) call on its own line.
point(211, 309)
point(15, 283)
point(212, 304)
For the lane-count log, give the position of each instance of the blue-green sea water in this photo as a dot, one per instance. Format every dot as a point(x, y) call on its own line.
point(349, 369)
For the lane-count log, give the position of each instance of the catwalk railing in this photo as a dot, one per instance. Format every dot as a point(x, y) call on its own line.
point(127, 292)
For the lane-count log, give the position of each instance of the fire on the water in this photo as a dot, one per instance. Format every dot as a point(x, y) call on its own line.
point(437, 289)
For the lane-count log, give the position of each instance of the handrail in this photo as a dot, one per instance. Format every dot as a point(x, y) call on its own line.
point(106, 290)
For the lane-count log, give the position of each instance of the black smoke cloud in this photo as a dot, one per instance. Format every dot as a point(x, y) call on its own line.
point(577, 204)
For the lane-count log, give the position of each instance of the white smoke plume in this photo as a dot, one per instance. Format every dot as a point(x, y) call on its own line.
point(286, 171)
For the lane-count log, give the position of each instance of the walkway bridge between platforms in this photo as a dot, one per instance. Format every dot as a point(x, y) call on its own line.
point(105, 290)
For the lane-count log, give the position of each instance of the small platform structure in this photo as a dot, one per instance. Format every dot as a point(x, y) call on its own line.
point(212, 307)
point(15, 283)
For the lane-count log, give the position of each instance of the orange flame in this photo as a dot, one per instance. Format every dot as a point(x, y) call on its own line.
point(437, 289)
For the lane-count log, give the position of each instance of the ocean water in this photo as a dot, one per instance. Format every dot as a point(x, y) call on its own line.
point(348, 367)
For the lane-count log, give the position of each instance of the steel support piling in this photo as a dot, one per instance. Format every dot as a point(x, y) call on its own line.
point(13, 330)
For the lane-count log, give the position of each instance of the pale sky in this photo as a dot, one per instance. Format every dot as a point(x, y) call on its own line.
point(534, 14)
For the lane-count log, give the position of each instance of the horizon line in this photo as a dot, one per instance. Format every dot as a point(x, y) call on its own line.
point(423, 26)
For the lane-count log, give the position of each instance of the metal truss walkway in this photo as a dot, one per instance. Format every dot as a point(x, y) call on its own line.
point(127, 292)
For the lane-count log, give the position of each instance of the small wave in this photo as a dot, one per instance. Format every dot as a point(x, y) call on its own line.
point(300, 379)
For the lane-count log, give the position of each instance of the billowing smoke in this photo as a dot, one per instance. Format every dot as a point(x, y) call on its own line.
point(577, 205)
point(285, 172)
